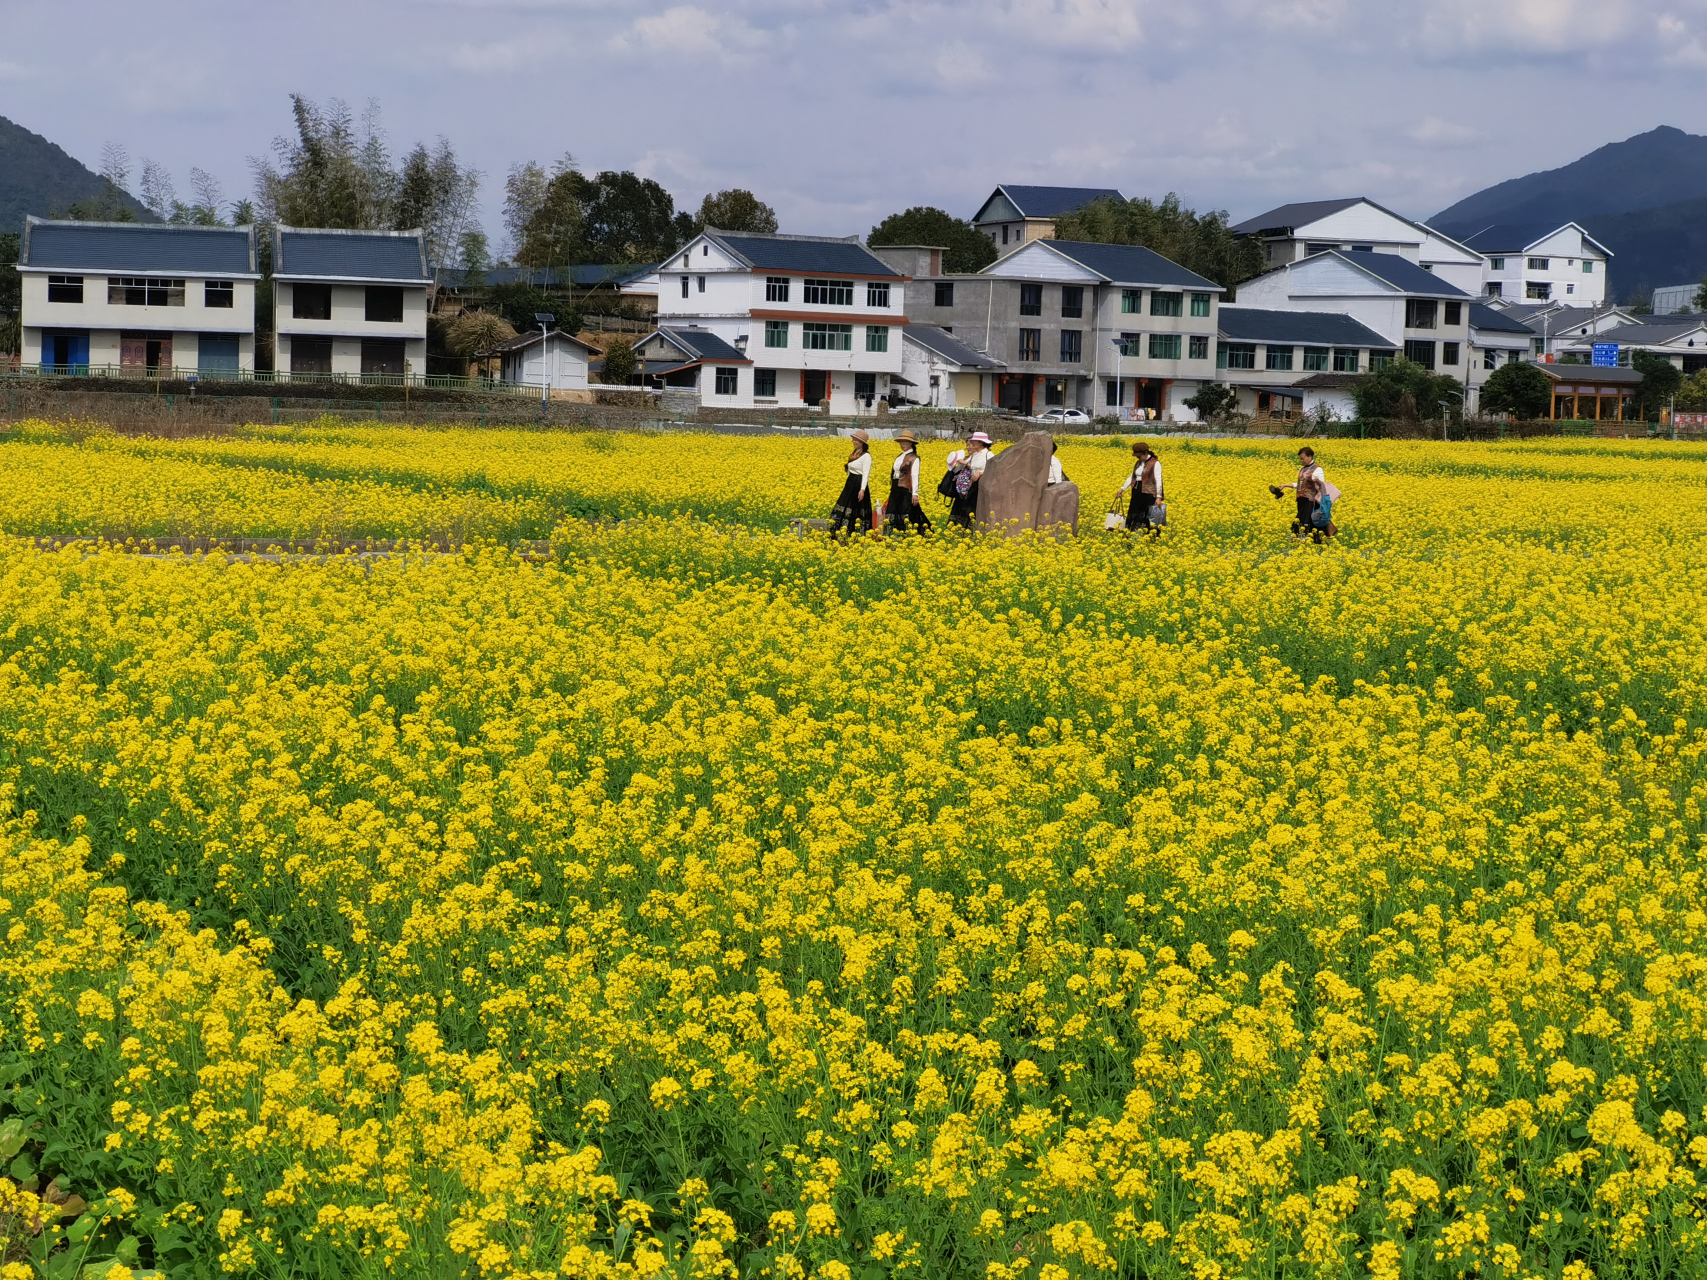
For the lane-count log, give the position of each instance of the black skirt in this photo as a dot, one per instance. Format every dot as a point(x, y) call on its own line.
point(851, 511)
point(1138, 510)
point(903, 511)
point(964, 507)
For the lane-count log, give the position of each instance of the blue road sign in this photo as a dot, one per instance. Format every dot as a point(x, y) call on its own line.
point(1606, 355)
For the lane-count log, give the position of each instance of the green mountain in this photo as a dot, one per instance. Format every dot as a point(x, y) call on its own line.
point(36, 176)
point(1644, 198)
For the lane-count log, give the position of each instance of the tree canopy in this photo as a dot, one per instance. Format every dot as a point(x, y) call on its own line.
point(609, 218)
point(735, 210)
point(1660, 381)
point(967, 249)
point(1521, 390)
point(1203, 243)
point(1404, 390)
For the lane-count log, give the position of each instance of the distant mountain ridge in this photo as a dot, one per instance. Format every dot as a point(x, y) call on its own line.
point(1645, 198)
point(39, 177)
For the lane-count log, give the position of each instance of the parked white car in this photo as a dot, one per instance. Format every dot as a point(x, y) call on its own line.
point(1064, 417)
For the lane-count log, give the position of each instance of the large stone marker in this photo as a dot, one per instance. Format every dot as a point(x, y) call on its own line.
point(1015, 496)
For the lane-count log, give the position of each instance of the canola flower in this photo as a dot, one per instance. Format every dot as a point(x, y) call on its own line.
point(710, 902)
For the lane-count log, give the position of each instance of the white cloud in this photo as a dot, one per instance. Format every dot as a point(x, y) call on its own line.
point(1434, 132)
point(687, 30)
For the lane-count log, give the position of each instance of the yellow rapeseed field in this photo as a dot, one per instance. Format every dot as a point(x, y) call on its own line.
point(715, 901)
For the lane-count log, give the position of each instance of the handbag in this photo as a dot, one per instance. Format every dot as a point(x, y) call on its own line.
point(1158, 513)
point(1114, 520)
point(945, 486)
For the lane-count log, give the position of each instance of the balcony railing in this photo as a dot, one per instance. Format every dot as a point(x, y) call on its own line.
point(269, 377)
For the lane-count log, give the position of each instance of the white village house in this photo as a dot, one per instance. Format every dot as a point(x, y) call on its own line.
point(350, 305)
point(131, 298)
point(1539, 263)
point(940, 370)
point(1294, 232)
point(556, 360)
point(1015, 214)
point(1285, 364)
point(774, 320)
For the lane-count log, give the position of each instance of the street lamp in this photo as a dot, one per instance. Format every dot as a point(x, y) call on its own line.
point(1119, 351)
point(1445, 409)
point(545, 318)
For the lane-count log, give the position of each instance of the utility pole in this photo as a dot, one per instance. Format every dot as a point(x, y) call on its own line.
point(545, 319)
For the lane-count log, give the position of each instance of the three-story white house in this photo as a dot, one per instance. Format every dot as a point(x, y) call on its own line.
point(751, 321)
point(138, 299)
point(349, 304)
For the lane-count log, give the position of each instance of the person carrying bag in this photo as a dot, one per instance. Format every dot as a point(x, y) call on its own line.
point(1146, 509)
point(904, 508)
point(964, 472)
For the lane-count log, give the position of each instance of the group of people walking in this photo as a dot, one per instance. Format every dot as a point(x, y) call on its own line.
point(1146, 498)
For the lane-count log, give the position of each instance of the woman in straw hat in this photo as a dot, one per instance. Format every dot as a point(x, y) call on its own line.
point(1145, 484)
point(853, 508)
point(904, 507)
point(966, 470)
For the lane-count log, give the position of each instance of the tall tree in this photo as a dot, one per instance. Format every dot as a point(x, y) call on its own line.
point(314, 179)
point(968, 249)
point(11, 298)
point(551, 237)
point(1521, 390)
point(157, 194)
point(473, 257)
point(627, 218)
point(1203, 243)
point(1660, 381)
point(735, 210)
point(525, 190)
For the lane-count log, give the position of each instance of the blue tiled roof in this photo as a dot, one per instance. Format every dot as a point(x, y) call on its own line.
point(1052, 202)
point(1290, 216)
point(1130, 264)
point(1482, 316)
point(145, 248)
point(582, 277)
point(949, 347)
point(349, 255)
point(1403, 274)
point(804, 253)
point(1316, 328)
point(704, 344)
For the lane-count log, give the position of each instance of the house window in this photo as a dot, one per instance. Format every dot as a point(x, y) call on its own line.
point(1031, 299)
point(829, 293)
point(381, 358)
point(1454, 314)
point(218, 293)
point(311, 302)
point(1055, 391)
point(877, 337)
point(1420, 313)
point(826, 337)
point(764, 384)
point(776, 333)
point(1380, 359)
point(1490, 359)
point(1588, 267)
point(865, 385)
point(1345, 359)
point(1539, 264)
point(1319, 248)
point(1570, 288)
point(1540, 345)
point(1165, 304)
point(137, 291)
point(1200, 304)
point(310, 355)
point(684, 285)
point(1030, 344)
point(776, 288)
point(65, 288)
point(1538, 291)
point(1363, 248)
point(728, 381)
point(877, 293)
point(1419, 351)
point(1164, 346)
point(1072, 301)
point(1496, 264)
point(1130, 301)
point(384, 304)
point(945, 293)
point(1236, 355)
point(1428, 266)
point(1315, 359)
point(702, 284)
point(1110, 392)
point(1278, 358)
point(1071, 345)
point(1449, 353)
point(1496, 289)
point(1004, 235)
point(1199, 346)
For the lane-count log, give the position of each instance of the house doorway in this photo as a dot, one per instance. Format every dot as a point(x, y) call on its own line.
point(150, 352)
point(814, 386)
point(66, 351)
point(1016, 394)
point(1151, 394)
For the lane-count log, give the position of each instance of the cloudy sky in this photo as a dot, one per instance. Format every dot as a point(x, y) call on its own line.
point(838, 112)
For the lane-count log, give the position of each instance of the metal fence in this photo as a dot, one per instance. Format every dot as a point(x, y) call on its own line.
point(270, 377)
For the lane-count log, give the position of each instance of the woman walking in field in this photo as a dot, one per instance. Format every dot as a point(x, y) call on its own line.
point(1315, 498)
point(904, 506)
point(965, 470)
point(1145, 484)
point(853, 509)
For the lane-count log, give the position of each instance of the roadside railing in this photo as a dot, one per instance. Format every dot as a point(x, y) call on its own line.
point(271, 377)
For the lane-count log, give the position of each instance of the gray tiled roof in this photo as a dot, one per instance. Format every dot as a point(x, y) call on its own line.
point(524, 340)
point(1052, 202)
point(141, 247)
point(1402, 273)
point(1317, 328)
point(315, 254)
point(1650, 333)
point(1487, 318)
point(701, 343)
point(1515, 237)
point(804, 253)
point(1289, 216)
point(949, 347)
point(1129, 264)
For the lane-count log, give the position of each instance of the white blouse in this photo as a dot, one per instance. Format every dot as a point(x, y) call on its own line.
point(861, 467)
point(976, 462)
point(1056, 474)
point(895, 472)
